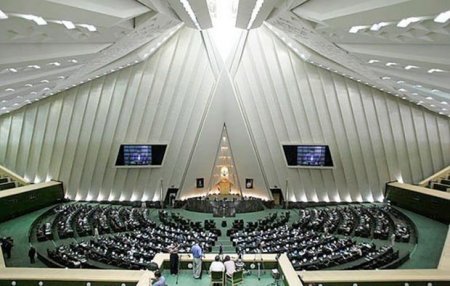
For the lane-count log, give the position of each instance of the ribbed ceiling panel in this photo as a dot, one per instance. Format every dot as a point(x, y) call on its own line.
point(75, 136)
point(373, 137)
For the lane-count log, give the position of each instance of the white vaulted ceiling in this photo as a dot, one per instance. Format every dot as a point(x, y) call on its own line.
point(51, 45)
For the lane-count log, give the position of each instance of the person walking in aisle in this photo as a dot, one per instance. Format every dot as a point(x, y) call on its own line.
point(197, 254)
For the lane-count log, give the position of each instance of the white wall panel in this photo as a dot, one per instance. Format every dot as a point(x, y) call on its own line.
point(74, 136)
point(373, 137)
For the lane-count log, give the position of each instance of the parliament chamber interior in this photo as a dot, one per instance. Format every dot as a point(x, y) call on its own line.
point(224, 142)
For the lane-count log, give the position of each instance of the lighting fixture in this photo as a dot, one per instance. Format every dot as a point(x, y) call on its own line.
point(378, 26)
point(255, 12)
point(411, 67)
point(444, 102)
point(386, 77)
point(9, 89)
point(402, 90)
point(435, 90)
point(429, 98)
point(56, 64)
point(400, 81)
point(355, 29)
point(44, 81)
point(435, 70)
point(68, 24)
point(3, 15)
point(190, 12)
point(12, 70)
point(91, 28)
point(28, 85)
point(405, 22)
point(38, 20)
point(73, 61)
point(441, 18)
point(373, 61)
point(391, 64)
point(34, 67)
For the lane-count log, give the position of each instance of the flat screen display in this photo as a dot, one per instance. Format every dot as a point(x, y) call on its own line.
point(140, 155)
point(308, 155)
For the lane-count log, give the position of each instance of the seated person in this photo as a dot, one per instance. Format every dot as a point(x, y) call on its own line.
point(159, 280)
point(216, 265)
point(230, 267)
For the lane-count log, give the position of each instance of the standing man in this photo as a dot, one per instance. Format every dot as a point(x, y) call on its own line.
point(32, 254)
point(197, 254)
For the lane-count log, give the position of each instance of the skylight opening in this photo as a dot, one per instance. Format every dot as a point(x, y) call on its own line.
point(223, 16)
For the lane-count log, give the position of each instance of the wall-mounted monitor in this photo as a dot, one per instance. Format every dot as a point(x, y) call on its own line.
point(140, 155)
point(308, 156)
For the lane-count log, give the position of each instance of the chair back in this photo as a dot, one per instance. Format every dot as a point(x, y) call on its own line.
point(238, 276)
point(217, 276)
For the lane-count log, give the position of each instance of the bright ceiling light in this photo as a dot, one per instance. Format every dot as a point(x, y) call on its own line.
point(56, 64)
point(435, 70)
point(411, 67)
point(3, 15)
point(441, 18)
point(34, 67)
point(255, 12)
point(12, 70)
point(378, 26)
point(91, 28)
point(223, 17)
point(429, 98)
point(373, 61)
point(190, 12)
point(68, 24)
point(38, 20)
point(391, 64)
point(405, 22)
point(9, 89)
point(355, 29)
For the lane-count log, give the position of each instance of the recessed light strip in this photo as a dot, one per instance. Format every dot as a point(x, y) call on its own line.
point(190, 12)
point(255, 12)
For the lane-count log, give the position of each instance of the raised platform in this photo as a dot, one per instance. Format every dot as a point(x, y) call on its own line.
point(224, 207)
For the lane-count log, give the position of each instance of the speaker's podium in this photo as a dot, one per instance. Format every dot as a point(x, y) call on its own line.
point(224, 205)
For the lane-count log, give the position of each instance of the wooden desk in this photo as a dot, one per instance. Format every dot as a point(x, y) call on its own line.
point(444, 262)
point(374, 276)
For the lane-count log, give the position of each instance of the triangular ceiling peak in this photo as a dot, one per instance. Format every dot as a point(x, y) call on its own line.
point(224, 177)
point(224, 110)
